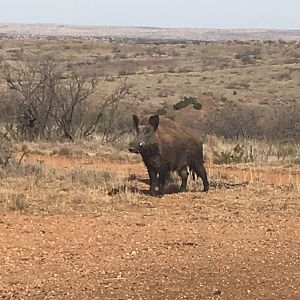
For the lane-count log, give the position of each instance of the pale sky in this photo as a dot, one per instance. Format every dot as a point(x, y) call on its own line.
point(277, 14)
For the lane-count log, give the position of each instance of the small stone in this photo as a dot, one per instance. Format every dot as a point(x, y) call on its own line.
point(216, 291)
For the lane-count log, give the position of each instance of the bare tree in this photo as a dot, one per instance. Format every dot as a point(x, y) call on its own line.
point(43, 102)
point(31, 97)
point(233, 122)
point(105, 116)
point(286, 122)
point(111, 130)
point(69, 97)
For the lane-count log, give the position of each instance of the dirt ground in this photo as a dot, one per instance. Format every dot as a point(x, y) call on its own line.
point(194, 245)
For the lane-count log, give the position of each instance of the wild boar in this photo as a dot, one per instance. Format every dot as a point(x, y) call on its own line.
point(166, 147)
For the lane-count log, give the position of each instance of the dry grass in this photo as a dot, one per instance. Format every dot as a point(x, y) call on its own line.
point(41, 187)
point(38, 188)
point(91, 178)
point(259, 152)
point(80, 149)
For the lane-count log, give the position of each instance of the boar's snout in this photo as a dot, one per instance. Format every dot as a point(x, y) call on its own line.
point(136, 147)
point(132, 148)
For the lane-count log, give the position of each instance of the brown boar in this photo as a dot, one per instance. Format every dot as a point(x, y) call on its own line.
point(167, 147)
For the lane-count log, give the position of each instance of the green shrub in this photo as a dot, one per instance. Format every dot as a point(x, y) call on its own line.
point(186, 101)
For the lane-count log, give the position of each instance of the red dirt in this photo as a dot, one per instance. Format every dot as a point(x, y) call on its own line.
point(69, 162)
point(181, 246)
point(279, 176)
point(170, 254)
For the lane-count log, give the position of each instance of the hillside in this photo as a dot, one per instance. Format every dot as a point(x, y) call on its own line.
point(257, 79)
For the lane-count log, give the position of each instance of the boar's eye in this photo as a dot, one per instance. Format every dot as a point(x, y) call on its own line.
point(141, 144)
point(147, 130)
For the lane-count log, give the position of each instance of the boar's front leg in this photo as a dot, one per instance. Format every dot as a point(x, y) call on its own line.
point(153, 180)
point(163, 175)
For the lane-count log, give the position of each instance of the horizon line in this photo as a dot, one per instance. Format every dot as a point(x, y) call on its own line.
point(148, 27)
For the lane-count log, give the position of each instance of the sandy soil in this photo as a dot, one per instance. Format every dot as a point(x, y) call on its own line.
point(181, 246)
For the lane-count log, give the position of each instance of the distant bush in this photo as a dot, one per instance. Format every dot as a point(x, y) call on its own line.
point(249, 56)
point(284, 76)
point(171, 70)
point(233, 120)
point(124, 72)
point(233, 156)
point(185, 69)
point(286, 122)
point(236, 85)
point(186, 101)
point(286, 149)
point(163, 93)
point(236, 120)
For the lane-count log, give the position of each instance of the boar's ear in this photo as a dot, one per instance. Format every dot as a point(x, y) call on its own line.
point(136, 122)
point(154, 121)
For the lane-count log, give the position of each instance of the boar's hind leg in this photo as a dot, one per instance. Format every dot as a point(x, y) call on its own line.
point(153, 180)
point(201, 172)
point(183, 173)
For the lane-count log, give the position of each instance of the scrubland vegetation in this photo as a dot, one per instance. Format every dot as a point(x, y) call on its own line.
point(74, 99)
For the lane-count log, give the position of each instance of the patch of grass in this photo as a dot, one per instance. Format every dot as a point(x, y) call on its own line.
point(91, 178)
point(237, 85)
point(285, 150)
point(243, 150)
point(17, 202)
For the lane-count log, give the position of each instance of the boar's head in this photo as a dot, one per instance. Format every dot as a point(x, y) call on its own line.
point(144, 139)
